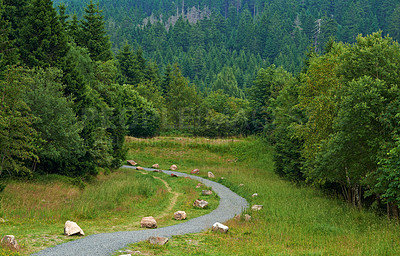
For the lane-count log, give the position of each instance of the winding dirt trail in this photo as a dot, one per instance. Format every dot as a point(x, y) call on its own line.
point(173, 200)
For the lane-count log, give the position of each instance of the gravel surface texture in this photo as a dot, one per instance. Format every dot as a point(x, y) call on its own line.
point(230, 205)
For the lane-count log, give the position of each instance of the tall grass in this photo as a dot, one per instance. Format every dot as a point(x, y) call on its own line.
point(58, 200)
point(35, 211)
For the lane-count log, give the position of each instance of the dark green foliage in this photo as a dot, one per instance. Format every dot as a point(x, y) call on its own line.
point(17, 136)
point(388, 180)
point(288, 146)
point(265, 89)
point(132, 65)
point(226, 81)
point(181, 100)
point(93, 34)
point(225, 116)
point(42, 40)
point(14, 12)
point(8, 51)
point(56, 122)
point(143, 120)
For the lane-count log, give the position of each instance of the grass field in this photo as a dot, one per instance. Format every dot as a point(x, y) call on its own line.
point(294, 221)
point(35, 211)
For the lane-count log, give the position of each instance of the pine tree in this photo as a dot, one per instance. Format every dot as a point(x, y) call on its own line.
point(126, 60)
point(14, 12)
point(8, 52)
point(94, 34)
point(42, 40)
point(74, 30)
point(394, 24)
point(17, 136)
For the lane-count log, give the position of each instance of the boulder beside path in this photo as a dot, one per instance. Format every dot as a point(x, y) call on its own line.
point(220, 227)
point(10, 242)
point(148, 222)
point(71, 228)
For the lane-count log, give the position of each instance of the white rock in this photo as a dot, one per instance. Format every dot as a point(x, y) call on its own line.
point(10, 242)
point(158, 240)
point(241, 185)
point(173, 167)
point(200, 203)
point(210, 175)
point(180, 215)
point(156, 166)
point(254, 195)
point(220, 227)
point(256, 207)
point(71, 228)
point(148, 222)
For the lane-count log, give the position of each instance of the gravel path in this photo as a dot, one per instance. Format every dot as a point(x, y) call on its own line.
point(105, 244)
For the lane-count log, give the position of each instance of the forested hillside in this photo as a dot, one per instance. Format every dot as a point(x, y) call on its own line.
point(204, 37)
point(76, 78)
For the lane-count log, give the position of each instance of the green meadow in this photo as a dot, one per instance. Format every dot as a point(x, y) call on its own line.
point(295, 220)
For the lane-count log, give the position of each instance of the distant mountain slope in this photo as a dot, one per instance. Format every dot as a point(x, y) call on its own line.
point(243, 34)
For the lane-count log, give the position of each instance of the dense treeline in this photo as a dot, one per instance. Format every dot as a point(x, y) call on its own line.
point(337, 124)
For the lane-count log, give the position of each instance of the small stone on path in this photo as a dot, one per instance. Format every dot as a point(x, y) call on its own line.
point(140, 168)
point(173, 175)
